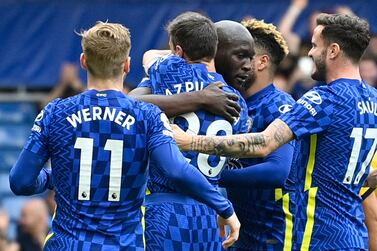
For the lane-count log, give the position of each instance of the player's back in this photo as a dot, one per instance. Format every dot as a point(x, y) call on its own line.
point(173, 75)
point(98, 143)
point(174, 221)
point(265, 214)
point(336, 123)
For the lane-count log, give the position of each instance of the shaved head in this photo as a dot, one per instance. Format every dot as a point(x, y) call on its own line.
point(228, 31)
point(235, 52)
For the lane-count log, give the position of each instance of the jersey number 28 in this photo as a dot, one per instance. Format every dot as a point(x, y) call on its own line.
point(213, 128)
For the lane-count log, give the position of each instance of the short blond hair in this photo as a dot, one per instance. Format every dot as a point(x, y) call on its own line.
point(267, 36)
point(106, 46)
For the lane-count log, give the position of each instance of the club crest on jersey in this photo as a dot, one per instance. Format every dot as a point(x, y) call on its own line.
point(285, 108)
point(314, 97)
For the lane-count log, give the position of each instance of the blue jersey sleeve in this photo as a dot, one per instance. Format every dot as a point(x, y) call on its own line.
point(271, 173)
point(145, 82)
point(311, 114)
point(159, 130)
point(188, 179)
point(166, 65)
point(38, 139)
point(36, 180)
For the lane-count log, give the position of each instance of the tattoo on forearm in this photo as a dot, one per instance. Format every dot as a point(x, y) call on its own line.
point(242, 145)
point(280, 134)
point(245, 145)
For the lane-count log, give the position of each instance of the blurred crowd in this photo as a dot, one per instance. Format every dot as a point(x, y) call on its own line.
point(293, 76)
point(32, 227)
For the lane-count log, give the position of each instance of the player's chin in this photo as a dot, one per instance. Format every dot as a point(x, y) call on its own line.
point(239, 84)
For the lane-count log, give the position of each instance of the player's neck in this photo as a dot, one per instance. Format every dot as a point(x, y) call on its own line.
point(105, 84)
point(342, 69)
point(210, 65)
point(261, 82)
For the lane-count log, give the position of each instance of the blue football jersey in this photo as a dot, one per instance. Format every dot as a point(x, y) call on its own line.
point(336, 125)
point(172, 75)
point(266, 215)
point(99, 144)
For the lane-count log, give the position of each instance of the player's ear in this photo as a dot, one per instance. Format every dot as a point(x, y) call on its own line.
point(262, 62)
point(127, 65)
point(333, 50)
point(83, 61)
point(179, 51)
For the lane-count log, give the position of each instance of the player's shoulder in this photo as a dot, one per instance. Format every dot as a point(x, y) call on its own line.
point(69, 101)
point(320, 93)
point(51, 105)
point(276, 102)
point(230, 89)
point(147, 109)
point(277, 95)
point(241, 100)
point(169, 60)
point(372, 90)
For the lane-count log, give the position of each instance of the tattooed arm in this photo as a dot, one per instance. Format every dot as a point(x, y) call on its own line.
point(241, 146)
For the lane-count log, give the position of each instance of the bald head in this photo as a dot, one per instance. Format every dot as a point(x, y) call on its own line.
point(228, 31)
point(235, 52)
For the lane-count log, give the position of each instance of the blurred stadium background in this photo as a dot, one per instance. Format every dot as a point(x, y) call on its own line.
point(39, 60)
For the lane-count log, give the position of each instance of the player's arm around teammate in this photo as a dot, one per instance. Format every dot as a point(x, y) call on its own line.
point(241, 146)
point(211, 98)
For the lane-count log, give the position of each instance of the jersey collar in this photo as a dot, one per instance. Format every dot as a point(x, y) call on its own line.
point(93, 93)
point(348, 81)
point(214, 76)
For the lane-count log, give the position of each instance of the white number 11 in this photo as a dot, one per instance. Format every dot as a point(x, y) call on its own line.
point(86, 159)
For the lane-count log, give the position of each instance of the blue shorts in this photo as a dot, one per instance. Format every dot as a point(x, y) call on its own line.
point(177, 222)
point(125, 242)
point(55, 244)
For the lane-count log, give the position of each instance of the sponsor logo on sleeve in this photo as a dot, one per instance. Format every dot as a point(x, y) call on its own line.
point(309, 99)
point(314, 97)
point(39, 116)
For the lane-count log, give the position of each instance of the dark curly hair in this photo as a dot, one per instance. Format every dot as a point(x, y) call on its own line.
point(350, 32)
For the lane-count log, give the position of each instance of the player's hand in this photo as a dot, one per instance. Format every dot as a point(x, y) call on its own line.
point(219, 102)
point(234, 226)
point(182, 138)
point(372, 179)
